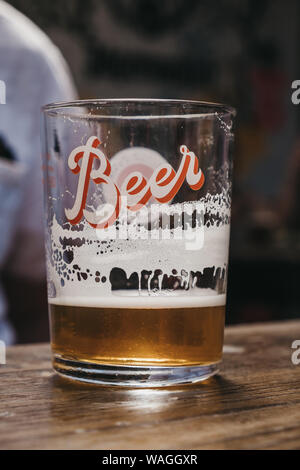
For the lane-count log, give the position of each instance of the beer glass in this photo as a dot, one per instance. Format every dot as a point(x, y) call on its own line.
point(137, 204)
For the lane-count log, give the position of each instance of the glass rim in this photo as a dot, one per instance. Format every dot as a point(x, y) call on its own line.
point(62, 108)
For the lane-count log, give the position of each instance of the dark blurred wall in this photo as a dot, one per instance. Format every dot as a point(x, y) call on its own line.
point(243, 52)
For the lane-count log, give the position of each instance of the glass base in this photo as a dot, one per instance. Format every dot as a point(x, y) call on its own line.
point(133, 376)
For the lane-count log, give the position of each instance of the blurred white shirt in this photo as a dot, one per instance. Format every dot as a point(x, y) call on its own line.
point(35, 74)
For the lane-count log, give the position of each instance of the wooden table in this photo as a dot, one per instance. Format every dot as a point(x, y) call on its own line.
point(253, 404)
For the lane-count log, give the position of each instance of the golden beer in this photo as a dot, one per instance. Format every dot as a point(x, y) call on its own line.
point(138, 336)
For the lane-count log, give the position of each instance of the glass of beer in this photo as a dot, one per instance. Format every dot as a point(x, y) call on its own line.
point(137, 204)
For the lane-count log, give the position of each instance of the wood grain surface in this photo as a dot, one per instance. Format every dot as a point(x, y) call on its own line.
point(253, 404)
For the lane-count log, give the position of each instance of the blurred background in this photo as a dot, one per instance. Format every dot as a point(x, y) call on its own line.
point(241, 52)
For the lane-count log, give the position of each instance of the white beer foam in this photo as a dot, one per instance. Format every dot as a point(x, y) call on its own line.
point(136, 300)
point(134, 256)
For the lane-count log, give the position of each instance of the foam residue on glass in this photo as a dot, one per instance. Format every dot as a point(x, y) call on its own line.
point(152, 272)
